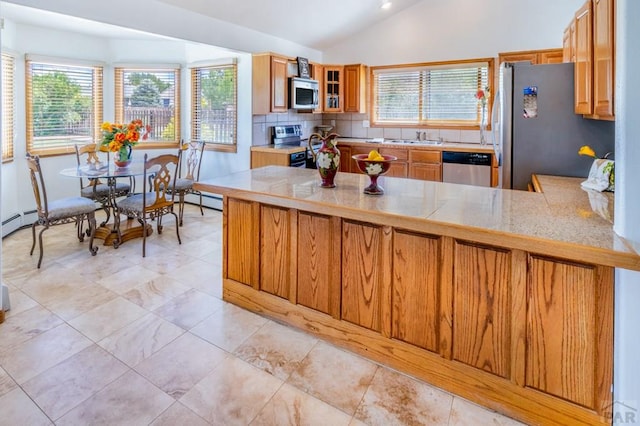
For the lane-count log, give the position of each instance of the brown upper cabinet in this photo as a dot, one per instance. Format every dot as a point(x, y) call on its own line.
point(355, 88)
point(317, 73)
point(592, 48)
point(569, 43)
point(270, 90)
point(536, 57)
point(345, 88)
point(583, 66)
point(333, 88)
point(603, 58)
point(342, 88)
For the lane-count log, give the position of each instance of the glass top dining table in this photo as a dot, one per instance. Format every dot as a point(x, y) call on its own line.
point(105, 170)
point(117, 232)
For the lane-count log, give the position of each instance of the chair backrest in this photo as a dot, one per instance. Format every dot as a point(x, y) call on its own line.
point(37, 182)
point(161, 173)
point(192, 157)
point(87, 155)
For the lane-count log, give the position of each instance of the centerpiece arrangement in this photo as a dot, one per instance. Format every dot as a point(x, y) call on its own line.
point(120, 139)
point(373, 165)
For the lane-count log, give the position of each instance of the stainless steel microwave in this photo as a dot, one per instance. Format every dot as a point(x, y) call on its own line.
point(303, 93)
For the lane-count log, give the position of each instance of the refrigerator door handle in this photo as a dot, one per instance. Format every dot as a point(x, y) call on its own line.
point(495, 127)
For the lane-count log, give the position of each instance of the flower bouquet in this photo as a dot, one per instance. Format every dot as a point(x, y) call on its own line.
point(120, 139)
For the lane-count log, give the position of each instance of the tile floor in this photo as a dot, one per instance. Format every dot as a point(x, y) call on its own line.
point(119, 339)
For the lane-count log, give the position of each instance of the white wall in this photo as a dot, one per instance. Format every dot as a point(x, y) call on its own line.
point(627, 210)
point(437, 30)
point(17, 195)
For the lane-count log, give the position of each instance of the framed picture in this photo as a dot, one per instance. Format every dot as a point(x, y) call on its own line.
point(303, 68)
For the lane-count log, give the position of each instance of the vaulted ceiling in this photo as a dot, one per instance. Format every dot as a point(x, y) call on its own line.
point(317, 24)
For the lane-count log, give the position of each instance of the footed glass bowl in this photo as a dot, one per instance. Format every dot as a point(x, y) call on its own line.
point(373, 169)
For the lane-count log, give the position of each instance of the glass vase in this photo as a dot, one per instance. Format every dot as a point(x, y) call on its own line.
point(122, 157)
point(483, 125)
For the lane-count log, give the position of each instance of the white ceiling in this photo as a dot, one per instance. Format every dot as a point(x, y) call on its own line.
point(46, 19)
point(317, 24)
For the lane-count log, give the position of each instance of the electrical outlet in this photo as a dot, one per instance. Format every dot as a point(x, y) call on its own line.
point(366, 124)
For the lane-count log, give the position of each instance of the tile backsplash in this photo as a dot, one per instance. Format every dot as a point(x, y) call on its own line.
point(351, 126)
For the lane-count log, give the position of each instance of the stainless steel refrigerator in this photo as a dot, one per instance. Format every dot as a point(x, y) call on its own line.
point(535, 129)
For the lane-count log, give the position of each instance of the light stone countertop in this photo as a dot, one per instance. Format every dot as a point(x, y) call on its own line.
point(559, 221)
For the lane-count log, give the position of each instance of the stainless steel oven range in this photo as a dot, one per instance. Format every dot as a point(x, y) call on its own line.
point(291, 135)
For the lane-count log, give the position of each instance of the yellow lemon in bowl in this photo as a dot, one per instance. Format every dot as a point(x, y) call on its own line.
point(374, 155)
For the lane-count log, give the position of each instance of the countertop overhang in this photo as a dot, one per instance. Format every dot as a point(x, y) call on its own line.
point(559, 222)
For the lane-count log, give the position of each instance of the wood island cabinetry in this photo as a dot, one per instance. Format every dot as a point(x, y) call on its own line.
point(520, 325)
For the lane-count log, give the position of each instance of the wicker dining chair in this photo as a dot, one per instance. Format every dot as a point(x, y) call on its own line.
point(59, 211)
point(156, 199)
point(94, 188)
point(190, 161)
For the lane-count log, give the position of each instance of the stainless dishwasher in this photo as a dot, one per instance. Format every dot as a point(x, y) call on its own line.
point(470, 168)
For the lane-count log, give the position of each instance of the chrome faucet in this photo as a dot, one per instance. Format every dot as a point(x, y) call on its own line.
point(417, 135)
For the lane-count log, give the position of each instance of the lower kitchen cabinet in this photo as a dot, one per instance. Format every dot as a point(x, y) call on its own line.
point(345, 158)
point(425, 165)
point(399, 168)
point(318, 260)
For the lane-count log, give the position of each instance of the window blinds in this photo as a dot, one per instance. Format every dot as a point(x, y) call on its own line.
point(151, 95)
point(64, 106)
point(214, 104)
point(429, 95)
point(8, 106)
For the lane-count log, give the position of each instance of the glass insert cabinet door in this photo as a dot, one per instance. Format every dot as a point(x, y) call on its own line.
point(334, 90)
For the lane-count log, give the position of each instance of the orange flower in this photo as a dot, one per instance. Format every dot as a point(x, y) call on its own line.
point(117, 136)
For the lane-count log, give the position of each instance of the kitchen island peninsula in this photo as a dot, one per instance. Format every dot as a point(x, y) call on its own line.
point(495, 295)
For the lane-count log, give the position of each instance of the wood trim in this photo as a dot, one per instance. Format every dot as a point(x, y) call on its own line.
point(604, 344)
point(293, 256)
point(335, 288)
point(447, 245)
point(386, 286)
point(536, 184)
point(518, 316)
